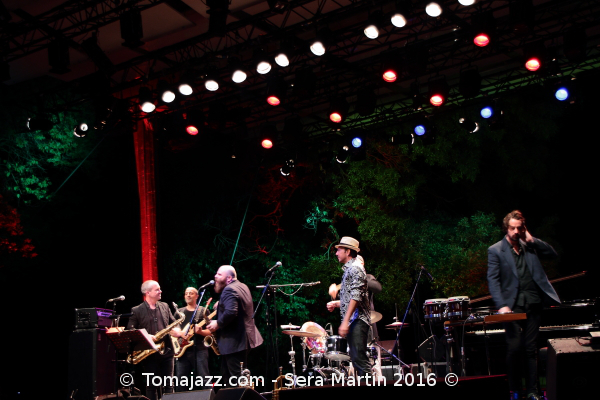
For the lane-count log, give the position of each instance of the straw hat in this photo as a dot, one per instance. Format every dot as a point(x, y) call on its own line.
point(349, 243)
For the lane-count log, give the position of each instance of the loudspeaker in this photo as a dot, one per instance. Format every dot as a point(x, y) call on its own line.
point(572, 369)
point(92, 364)
point(191, 395)
point(238, 394)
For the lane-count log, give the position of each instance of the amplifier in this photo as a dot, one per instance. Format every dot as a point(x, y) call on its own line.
point(87, 318)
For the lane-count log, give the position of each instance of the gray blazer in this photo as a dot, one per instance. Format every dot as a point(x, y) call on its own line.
point(502, 275)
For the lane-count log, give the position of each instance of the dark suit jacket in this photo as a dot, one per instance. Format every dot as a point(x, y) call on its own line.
point(502, 275)
point(237, 330)
point(141, 317)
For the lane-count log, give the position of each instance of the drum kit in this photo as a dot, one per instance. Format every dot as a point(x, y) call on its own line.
point(451, 309)
point(328, 355)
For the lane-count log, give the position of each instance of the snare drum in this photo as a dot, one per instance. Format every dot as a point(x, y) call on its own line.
point(337, 349)
point(435, 309)
point(458, 307)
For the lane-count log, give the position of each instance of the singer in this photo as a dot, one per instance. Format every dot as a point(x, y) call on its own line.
point(234, 327)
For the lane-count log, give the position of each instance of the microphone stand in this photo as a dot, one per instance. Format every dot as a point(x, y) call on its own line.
point(270, 327)
point(404, 318)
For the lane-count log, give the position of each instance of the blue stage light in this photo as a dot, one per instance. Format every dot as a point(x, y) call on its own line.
point(561, 94)
point(487, 112)
point(356, 142)
point(420, 130)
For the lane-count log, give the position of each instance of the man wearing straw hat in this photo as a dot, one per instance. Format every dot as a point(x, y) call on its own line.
point(354, 304)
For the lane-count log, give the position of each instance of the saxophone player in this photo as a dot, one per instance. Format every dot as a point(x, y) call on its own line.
point(155, 316)
point(234, 327)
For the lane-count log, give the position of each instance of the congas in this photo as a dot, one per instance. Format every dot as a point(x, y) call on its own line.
point(435, 309)
point(337, 349)
point(316, 345)
point(458, 307)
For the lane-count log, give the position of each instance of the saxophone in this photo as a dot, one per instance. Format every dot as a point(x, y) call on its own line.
point(140, 355)
point(210, 341)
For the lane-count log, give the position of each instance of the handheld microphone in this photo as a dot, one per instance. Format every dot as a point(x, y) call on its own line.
point(427, 273)
point(207, 285)
point(277, 264)
point(120, 298)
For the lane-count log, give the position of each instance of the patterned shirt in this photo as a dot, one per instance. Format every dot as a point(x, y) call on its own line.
point(354, 286)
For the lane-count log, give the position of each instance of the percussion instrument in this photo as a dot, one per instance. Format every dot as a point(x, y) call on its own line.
point(337, 348)
point(375, 316)
point(316, 341)
point(290, 326)
point(435, 309)
point(458, 307)
point(301, 333)
point(397, 325)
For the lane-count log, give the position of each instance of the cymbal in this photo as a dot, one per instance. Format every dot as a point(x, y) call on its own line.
point(396, 325)
point(289, 326)
point(302, 334)
point(375, 316)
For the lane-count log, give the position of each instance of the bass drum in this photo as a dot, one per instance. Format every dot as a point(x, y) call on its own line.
point(337, 349)
point(316, 345)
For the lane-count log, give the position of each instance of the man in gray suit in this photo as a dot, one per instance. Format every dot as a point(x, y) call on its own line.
point(518, 283)
point(234, 327)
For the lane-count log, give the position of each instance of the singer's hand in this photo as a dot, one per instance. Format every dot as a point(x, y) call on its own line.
point(343, 329)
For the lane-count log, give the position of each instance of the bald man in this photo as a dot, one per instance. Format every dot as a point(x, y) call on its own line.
point(234, 327)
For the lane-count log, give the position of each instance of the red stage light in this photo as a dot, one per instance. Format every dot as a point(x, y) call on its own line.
point(335, 117)
point(273, 100)
point(437, 100)
point(390, 76)
point(533, 64)
point(481, 40)
point(267, 144)
point(191, 130)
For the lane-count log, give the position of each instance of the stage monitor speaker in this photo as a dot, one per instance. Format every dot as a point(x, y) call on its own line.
point(238, 394)
point(191, 395)
point(572, 369)
point(92, 364)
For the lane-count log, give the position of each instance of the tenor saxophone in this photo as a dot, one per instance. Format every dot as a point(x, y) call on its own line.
point(140, 355)
point(211, 341)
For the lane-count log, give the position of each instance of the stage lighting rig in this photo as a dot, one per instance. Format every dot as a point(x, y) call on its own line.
point(81, 130)
point(483, 29)
point(438, 91)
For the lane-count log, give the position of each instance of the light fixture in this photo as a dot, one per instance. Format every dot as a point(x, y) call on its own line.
point(146, 102)
point(165, 92)
point(131, 28)
point(433, 9)
point(268, 134)
point(468, 124)
point(338, 110)
point(398, 20)
point(287, 167)
point(438, 91)
point(192, 123)
point(403, 9)
point(534, 54)
point(263, 65)
point(403, 139)
point(466, 2)
point(372, 27)
point(486, 112)
point(276, 91)
point(39, 124)
point(80, 130)
point(282, 57)
point(319, 45)
point(483, 29)
point(210, 82)
point(185, 84)
point(342, 155)
point(238, 72)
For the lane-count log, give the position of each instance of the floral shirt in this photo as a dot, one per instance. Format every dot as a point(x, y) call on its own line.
point(354, 286)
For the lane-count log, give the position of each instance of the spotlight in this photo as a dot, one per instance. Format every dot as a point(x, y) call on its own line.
point(563, 90)
point(433, 9)
point(185, 84)
point(210, 83)
point(80, 130)
point(466, 2)
point(484, 28)
point(342, 156)
point(390, 66)
point(562, 93)
point(357, 142)
point(493, 114)
point(287, 168)
point(146, 102)
point(282, 59)
point(403, 139)
point(422, 127)
point(268, 134)
point(192, 124)
point(371, 29)
point(238, 74)
point(167, 95)
point(535, 54)
point(131, 28)
point(438, 92)
point(470, 83)
point(276, 91)
point(266, 143)
point(468, 125)
point(487, 112)
point(39, 124)
point(338, 110)
point(263, 66)
point(402, 11)
point(398, 20)
point(321, 41)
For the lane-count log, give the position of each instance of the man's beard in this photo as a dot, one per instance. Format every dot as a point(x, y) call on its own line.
point(219, 287)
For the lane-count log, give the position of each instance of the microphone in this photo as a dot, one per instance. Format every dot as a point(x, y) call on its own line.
point(431, 278)
point(277, 264)
point(206, 285)
point(120, 298)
